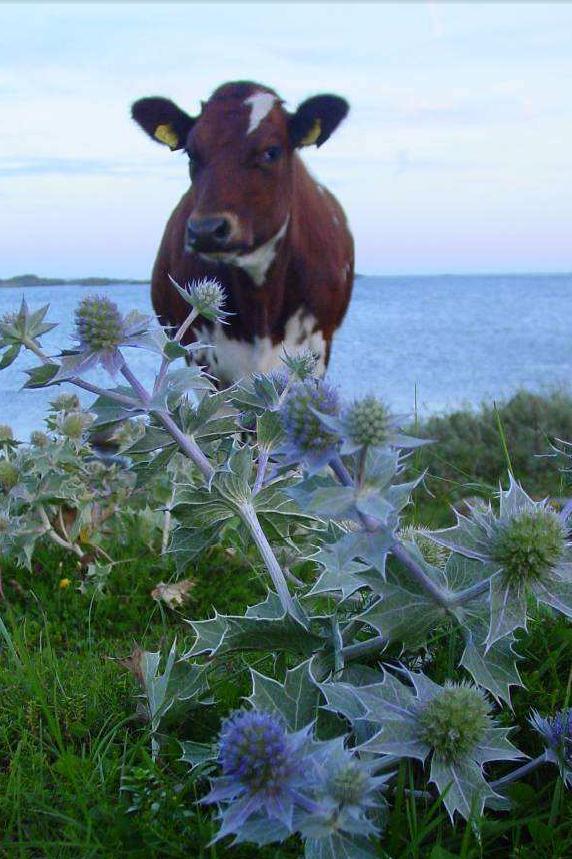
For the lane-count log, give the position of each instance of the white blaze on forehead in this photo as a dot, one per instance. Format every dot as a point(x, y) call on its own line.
point(260, 104)
point(230, 360)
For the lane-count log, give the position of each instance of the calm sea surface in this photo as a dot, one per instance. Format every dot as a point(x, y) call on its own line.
point(444, 341)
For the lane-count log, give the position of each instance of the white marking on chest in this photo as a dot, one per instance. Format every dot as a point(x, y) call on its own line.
point(230, 360)
point(260, 104)
point(257, 262)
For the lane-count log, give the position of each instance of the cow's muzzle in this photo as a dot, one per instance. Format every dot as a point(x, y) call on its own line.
point(208, 235)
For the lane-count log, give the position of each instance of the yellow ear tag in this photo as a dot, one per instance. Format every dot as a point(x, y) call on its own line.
point(313, 134)
point(165, 134)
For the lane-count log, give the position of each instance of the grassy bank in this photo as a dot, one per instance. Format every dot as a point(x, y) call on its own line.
point(76, 777)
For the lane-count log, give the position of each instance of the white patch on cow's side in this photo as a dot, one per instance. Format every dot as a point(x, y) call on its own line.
point(336, 220)
point(260, 104)
point(230, 360)
point(321, 189)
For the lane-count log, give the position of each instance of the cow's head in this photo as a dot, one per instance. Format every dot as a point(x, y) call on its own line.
point(241, 150)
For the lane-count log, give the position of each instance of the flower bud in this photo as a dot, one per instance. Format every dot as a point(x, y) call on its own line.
point(9, 475)
point(432, 552)
point(99, 324)
point(65, 403)
point(349, 784)
point(302, 365)
point(455, 721)
point(368, 422)
point(207, 296)
point(303, 428)
point(6, 433)
point(39, 439)
point(74, 425)
point(529, 545)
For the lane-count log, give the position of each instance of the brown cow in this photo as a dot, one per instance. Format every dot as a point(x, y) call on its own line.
point(255, 220)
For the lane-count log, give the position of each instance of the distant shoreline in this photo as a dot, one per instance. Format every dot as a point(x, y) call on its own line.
point(28, 280)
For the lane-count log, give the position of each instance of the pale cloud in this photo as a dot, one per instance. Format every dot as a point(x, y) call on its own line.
point(459, 125)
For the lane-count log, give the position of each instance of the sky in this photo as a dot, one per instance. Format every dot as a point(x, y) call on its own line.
point(455, 157)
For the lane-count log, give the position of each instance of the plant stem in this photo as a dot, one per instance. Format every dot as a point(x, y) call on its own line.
point(186, 325)
point(81, 383)
point(167, 524)
point(249, 517)
point(340, 470)
point(371, 524)
point(470, 593)
point(263, 457)
point(520, 771)
point(186, 444)
point(177, 338)
point(55, 537)
point(443, 598)
point(364, 648)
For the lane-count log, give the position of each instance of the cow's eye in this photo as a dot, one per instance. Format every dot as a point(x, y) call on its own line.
point(271, 154)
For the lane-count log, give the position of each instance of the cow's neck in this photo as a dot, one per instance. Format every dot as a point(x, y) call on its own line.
point(258, 263)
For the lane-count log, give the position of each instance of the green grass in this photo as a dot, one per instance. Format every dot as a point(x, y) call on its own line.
point(70, 735)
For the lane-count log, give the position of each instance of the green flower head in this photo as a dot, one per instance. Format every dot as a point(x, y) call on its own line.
point(6, 433)
point(455, 721)
point(9, 475)
point(368, 422)
point(39, 439)
point(74, 424)
point(450, 724)
point(529, 545)
point(524, 551)
point(65, 403)
point(99, 324)
point(432, 552)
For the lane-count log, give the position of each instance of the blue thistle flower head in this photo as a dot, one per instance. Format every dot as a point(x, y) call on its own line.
point(254, 749)
point(264, 772)
point(556, 733)
point(307, 438)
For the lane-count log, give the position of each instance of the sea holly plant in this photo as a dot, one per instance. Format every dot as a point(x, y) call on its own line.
point(315, 494)
point(525, 552)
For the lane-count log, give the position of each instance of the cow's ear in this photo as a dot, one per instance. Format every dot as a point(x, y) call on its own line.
point(316, 119)
point(163, 121)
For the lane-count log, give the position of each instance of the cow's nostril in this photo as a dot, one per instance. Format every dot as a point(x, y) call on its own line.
point(222, 230)
point(204, 232)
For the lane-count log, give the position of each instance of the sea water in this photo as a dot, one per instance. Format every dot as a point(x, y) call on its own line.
point(426, 343)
